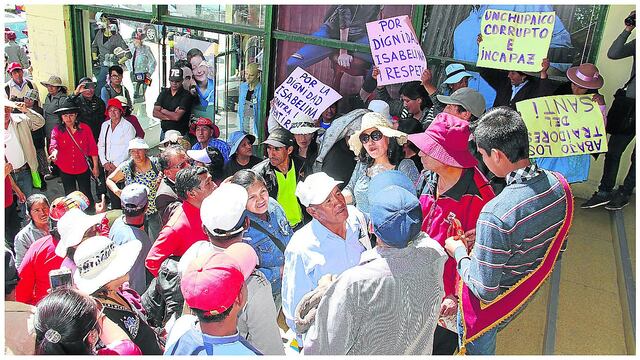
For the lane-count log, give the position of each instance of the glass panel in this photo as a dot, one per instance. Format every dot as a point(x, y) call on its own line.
point(15, 20)
point(252, 15)
point(139, 7)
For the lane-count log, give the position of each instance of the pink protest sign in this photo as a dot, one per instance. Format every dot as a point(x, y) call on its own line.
point(396, 50)
point(301, 93)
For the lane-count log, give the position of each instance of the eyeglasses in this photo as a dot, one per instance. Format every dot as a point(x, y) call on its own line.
point(116, 76)
point(375, 136)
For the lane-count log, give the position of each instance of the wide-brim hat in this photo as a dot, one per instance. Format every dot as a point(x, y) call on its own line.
point(375, 120)
point(67, 107)
point(586, 75)
point(446, 140)
point(99, 260)
point(236, 138)
point(72, 226)
point(53, 81)
point(203, 121)
point(137, 143)
point(303, 124)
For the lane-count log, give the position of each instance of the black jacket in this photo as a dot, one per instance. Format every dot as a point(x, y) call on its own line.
point(499, 81)
point(91, 112)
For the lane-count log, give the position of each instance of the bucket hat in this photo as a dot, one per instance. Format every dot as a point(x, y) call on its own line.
point(235, 138)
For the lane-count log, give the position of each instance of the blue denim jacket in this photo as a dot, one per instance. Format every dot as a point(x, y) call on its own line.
point(270, 258)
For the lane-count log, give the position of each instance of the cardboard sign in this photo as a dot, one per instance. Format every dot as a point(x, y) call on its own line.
point(396, 50)
point(301, 92)
point(515, 41)
point(563, 125)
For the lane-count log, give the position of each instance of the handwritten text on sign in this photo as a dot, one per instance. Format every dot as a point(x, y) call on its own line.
point(301, 93)
point(514, 40)
point(396, 50)
point(563, 125)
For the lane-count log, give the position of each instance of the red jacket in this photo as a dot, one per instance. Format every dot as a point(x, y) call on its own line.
point(182, 230)
point(34, 270)
point(464, 200)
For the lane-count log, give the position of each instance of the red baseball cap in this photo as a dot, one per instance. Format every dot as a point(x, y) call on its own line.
point(14, 66)
point(203, 121)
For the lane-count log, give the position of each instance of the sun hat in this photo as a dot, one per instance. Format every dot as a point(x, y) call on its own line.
point(134, 196)
point(315, 188)
point(137, 143)
point(280, 137)
point(213, 280)
point(99, 260)
point(446, 140)
point(13, 67)
point(395, 219)
point(72, 226)
point(67, 107)
point(586, 75)
point(235, 138)
point(375, 120)
point(175, 74)
point(455, 73)
point(53, 81)
point(203, 121)
point(113, 102)
point(61, 205)
point(224, 211)
point(303, 124)
point(468, 98)
point(380, 107)
point(199, 155)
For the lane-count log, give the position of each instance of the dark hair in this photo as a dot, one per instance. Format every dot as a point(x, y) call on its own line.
point(11, 277)
point(86, 78)
point(132, 212)
point(194, 52)
point(394, 152)
point(313, 146)
point(462, 109)
point(182, 63)
point(76, 123)
point(116, 68)
point(216, 166)
point(503, 129)
point(33, 199)
point(188, 179)
point(414, 90)
point(205, 317)
point(246, 178)
point(169, 152)
point(71, 315)
point(410, 126)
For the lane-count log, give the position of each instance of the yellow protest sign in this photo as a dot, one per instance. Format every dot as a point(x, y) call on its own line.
point(563, 125)
point(515, 41)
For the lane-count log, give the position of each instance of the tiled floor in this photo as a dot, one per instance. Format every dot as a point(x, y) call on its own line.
point(589, 314)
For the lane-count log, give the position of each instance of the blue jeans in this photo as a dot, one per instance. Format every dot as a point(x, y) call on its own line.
point(484, 345)
point(25, 183)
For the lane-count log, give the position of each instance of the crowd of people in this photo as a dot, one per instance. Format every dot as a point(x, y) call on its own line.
point(417, 225)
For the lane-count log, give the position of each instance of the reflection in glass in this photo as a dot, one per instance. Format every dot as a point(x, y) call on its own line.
point(252, 15)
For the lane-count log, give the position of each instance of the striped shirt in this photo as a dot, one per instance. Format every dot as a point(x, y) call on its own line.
point(513, 233)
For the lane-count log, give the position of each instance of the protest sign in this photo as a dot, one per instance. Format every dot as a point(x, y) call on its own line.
point(396, 50)
point(516, 41)
point(301, 92)
point(563, 125)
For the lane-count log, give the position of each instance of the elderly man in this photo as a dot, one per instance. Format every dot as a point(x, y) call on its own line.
point(282, 171)
point(225, 227)
point(172, 159)
point(330, 244)
point(207, 134)
point(402, 276)
point(519, 234)
point(173, 106)
point(184, 227)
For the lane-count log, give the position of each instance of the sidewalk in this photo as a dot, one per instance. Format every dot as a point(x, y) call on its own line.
point(589, 311)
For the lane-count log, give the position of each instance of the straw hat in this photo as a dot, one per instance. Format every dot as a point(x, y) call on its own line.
point(375, 120)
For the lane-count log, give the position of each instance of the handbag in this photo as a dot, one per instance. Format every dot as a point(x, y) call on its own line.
point(621, 118)
point(86, 158)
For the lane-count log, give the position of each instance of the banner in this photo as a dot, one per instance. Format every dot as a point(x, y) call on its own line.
point(396, 50)
point(301, 92)
point(563, 125)
point(516, 41)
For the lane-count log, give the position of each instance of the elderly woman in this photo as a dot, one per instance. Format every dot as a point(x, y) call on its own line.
point(269, 231)
point(113, 142)
point(144, 170)
point(378, 148)
point(73, 149)
point(451, 201)
point(67, 322)
point(38, 227)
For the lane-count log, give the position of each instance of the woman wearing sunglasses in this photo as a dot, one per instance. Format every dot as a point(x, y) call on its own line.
point(70, 323)
point(378, 148)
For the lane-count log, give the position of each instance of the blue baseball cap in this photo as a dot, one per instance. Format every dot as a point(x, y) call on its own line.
point(396, 215)
point(235, 138)
point(455, 73)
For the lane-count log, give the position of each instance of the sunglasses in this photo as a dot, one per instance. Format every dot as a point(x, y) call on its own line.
point(375, 136)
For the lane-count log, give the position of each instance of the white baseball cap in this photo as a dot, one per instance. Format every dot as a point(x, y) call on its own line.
point(72, 226)
point(223, 212)
point(315, 188)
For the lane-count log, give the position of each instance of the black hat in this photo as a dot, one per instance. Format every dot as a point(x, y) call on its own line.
point(175, 74)
point(280, 137)
point(67, 107)
point(10, 272)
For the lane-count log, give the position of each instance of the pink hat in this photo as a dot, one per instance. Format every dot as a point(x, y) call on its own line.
point(446, 140)
point(212, 281)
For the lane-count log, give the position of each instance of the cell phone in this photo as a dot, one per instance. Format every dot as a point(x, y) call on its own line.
point(89, 85)
point(60, 278)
